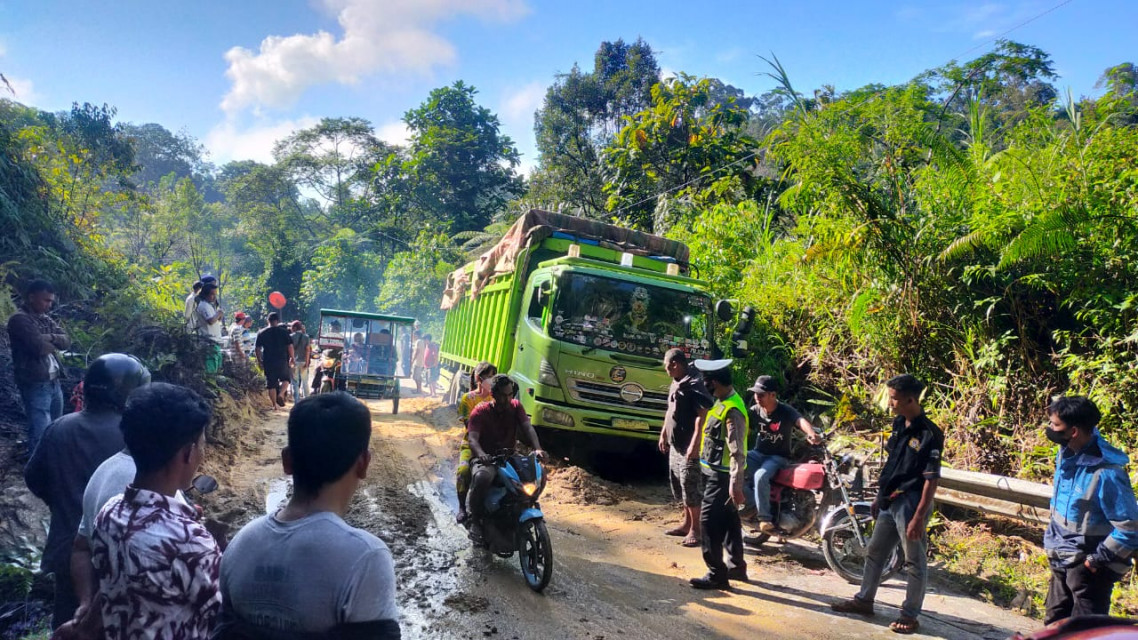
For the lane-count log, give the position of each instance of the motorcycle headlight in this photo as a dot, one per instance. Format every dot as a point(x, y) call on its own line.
point(529, 488)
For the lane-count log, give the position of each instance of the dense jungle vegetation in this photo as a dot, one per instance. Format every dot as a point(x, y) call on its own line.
point(973, 225)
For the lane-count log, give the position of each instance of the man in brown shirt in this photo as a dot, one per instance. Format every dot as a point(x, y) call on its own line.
point(36, 341)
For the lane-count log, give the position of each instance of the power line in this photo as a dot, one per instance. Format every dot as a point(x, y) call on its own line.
point(755, 153)
point(1022, 24)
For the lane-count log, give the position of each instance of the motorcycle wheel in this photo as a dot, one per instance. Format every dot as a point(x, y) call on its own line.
point(845, 556)
point(535, 553)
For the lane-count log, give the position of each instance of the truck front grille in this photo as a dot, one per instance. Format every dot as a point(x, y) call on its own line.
point(609, 394)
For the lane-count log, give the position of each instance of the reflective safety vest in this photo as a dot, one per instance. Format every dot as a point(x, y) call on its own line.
point(714, 454)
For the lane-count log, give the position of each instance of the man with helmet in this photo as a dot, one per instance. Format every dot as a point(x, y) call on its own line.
point(492, 427)
point(71, 449)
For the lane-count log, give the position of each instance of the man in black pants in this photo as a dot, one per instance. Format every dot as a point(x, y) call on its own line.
point(1093, 533)
point(722, 458)
point(276, 355)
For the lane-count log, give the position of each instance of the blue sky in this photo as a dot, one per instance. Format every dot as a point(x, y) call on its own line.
point(240, 74)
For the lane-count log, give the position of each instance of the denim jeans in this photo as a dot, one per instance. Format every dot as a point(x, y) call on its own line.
point(889, 528)
point(43, 401)
point(761, 469)
point(299, 382)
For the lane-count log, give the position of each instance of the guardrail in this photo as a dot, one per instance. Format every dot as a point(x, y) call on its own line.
point(993, 494)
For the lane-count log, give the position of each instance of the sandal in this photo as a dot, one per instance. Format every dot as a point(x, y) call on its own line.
point(853, 605)
point(904, 625)
point(678, 531)
point(689, 542)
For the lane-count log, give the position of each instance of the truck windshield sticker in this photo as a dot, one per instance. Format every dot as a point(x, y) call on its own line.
point(630, 317)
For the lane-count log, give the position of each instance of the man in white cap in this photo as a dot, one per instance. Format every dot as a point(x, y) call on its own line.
point(721, 450)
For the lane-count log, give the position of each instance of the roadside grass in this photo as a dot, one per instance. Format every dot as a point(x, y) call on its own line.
point(1003, 562)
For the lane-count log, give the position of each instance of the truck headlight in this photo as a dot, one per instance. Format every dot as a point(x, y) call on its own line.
point(546, 375)
point(553, 416)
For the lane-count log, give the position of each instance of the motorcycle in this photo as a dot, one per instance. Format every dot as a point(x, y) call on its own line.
point(825, 484)
point(325, 379)
point(514, 521)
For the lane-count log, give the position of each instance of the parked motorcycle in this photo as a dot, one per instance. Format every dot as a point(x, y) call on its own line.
point(514, 521)
point(825, 485)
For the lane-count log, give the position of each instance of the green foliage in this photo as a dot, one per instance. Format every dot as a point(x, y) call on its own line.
point(460, 168)
point(346, 274)
point(689, 143)
point(579, 117)
point(414, 280)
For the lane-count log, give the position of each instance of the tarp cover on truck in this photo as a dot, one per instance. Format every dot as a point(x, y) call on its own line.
point(537, 225)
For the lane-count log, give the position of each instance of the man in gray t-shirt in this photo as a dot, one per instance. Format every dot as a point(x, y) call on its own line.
point(303, 570)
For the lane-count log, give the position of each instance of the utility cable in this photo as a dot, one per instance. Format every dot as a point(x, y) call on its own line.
point(755, 153)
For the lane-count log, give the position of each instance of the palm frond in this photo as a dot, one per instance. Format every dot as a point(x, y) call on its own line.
point(965, 245)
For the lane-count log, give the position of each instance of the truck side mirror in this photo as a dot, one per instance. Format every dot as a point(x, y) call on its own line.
point(724, 311)
point(544, 292)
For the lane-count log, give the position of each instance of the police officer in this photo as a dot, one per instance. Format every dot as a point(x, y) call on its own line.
point(721, 450)
point(72, 448)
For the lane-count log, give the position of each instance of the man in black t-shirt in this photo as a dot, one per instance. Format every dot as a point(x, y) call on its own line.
point(904, 500)
point(688, 402)
point(774, 424)
point(276, 356)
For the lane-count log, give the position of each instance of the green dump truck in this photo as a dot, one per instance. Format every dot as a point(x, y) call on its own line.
point(580, 314)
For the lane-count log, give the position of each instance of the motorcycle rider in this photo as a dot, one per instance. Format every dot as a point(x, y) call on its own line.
point(771, 452)
point(492, 427)
point(720, 448)
point(71, 449)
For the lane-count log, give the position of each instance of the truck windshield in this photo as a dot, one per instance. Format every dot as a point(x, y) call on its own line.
point(630, 317)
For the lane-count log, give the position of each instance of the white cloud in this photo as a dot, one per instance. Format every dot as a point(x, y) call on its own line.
point(390, 36)
point(520, 104)
point(394, 133)
point(24, 90)
point(516, 110)
point(227, 141)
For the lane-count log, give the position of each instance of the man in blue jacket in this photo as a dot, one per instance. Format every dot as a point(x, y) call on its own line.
point(1094, 518)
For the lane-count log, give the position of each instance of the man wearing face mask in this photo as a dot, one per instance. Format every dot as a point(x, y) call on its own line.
point(1094, 519)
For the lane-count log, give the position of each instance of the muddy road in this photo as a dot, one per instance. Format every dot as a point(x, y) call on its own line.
point(615, 574)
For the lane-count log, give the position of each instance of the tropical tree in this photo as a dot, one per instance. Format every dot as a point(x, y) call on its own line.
point(460, 169)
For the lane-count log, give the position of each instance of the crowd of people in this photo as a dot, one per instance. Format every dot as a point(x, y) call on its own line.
point(132, 556)
point(1089, 542)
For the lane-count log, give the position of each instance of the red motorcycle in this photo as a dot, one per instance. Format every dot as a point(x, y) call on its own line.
point(823, 484)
